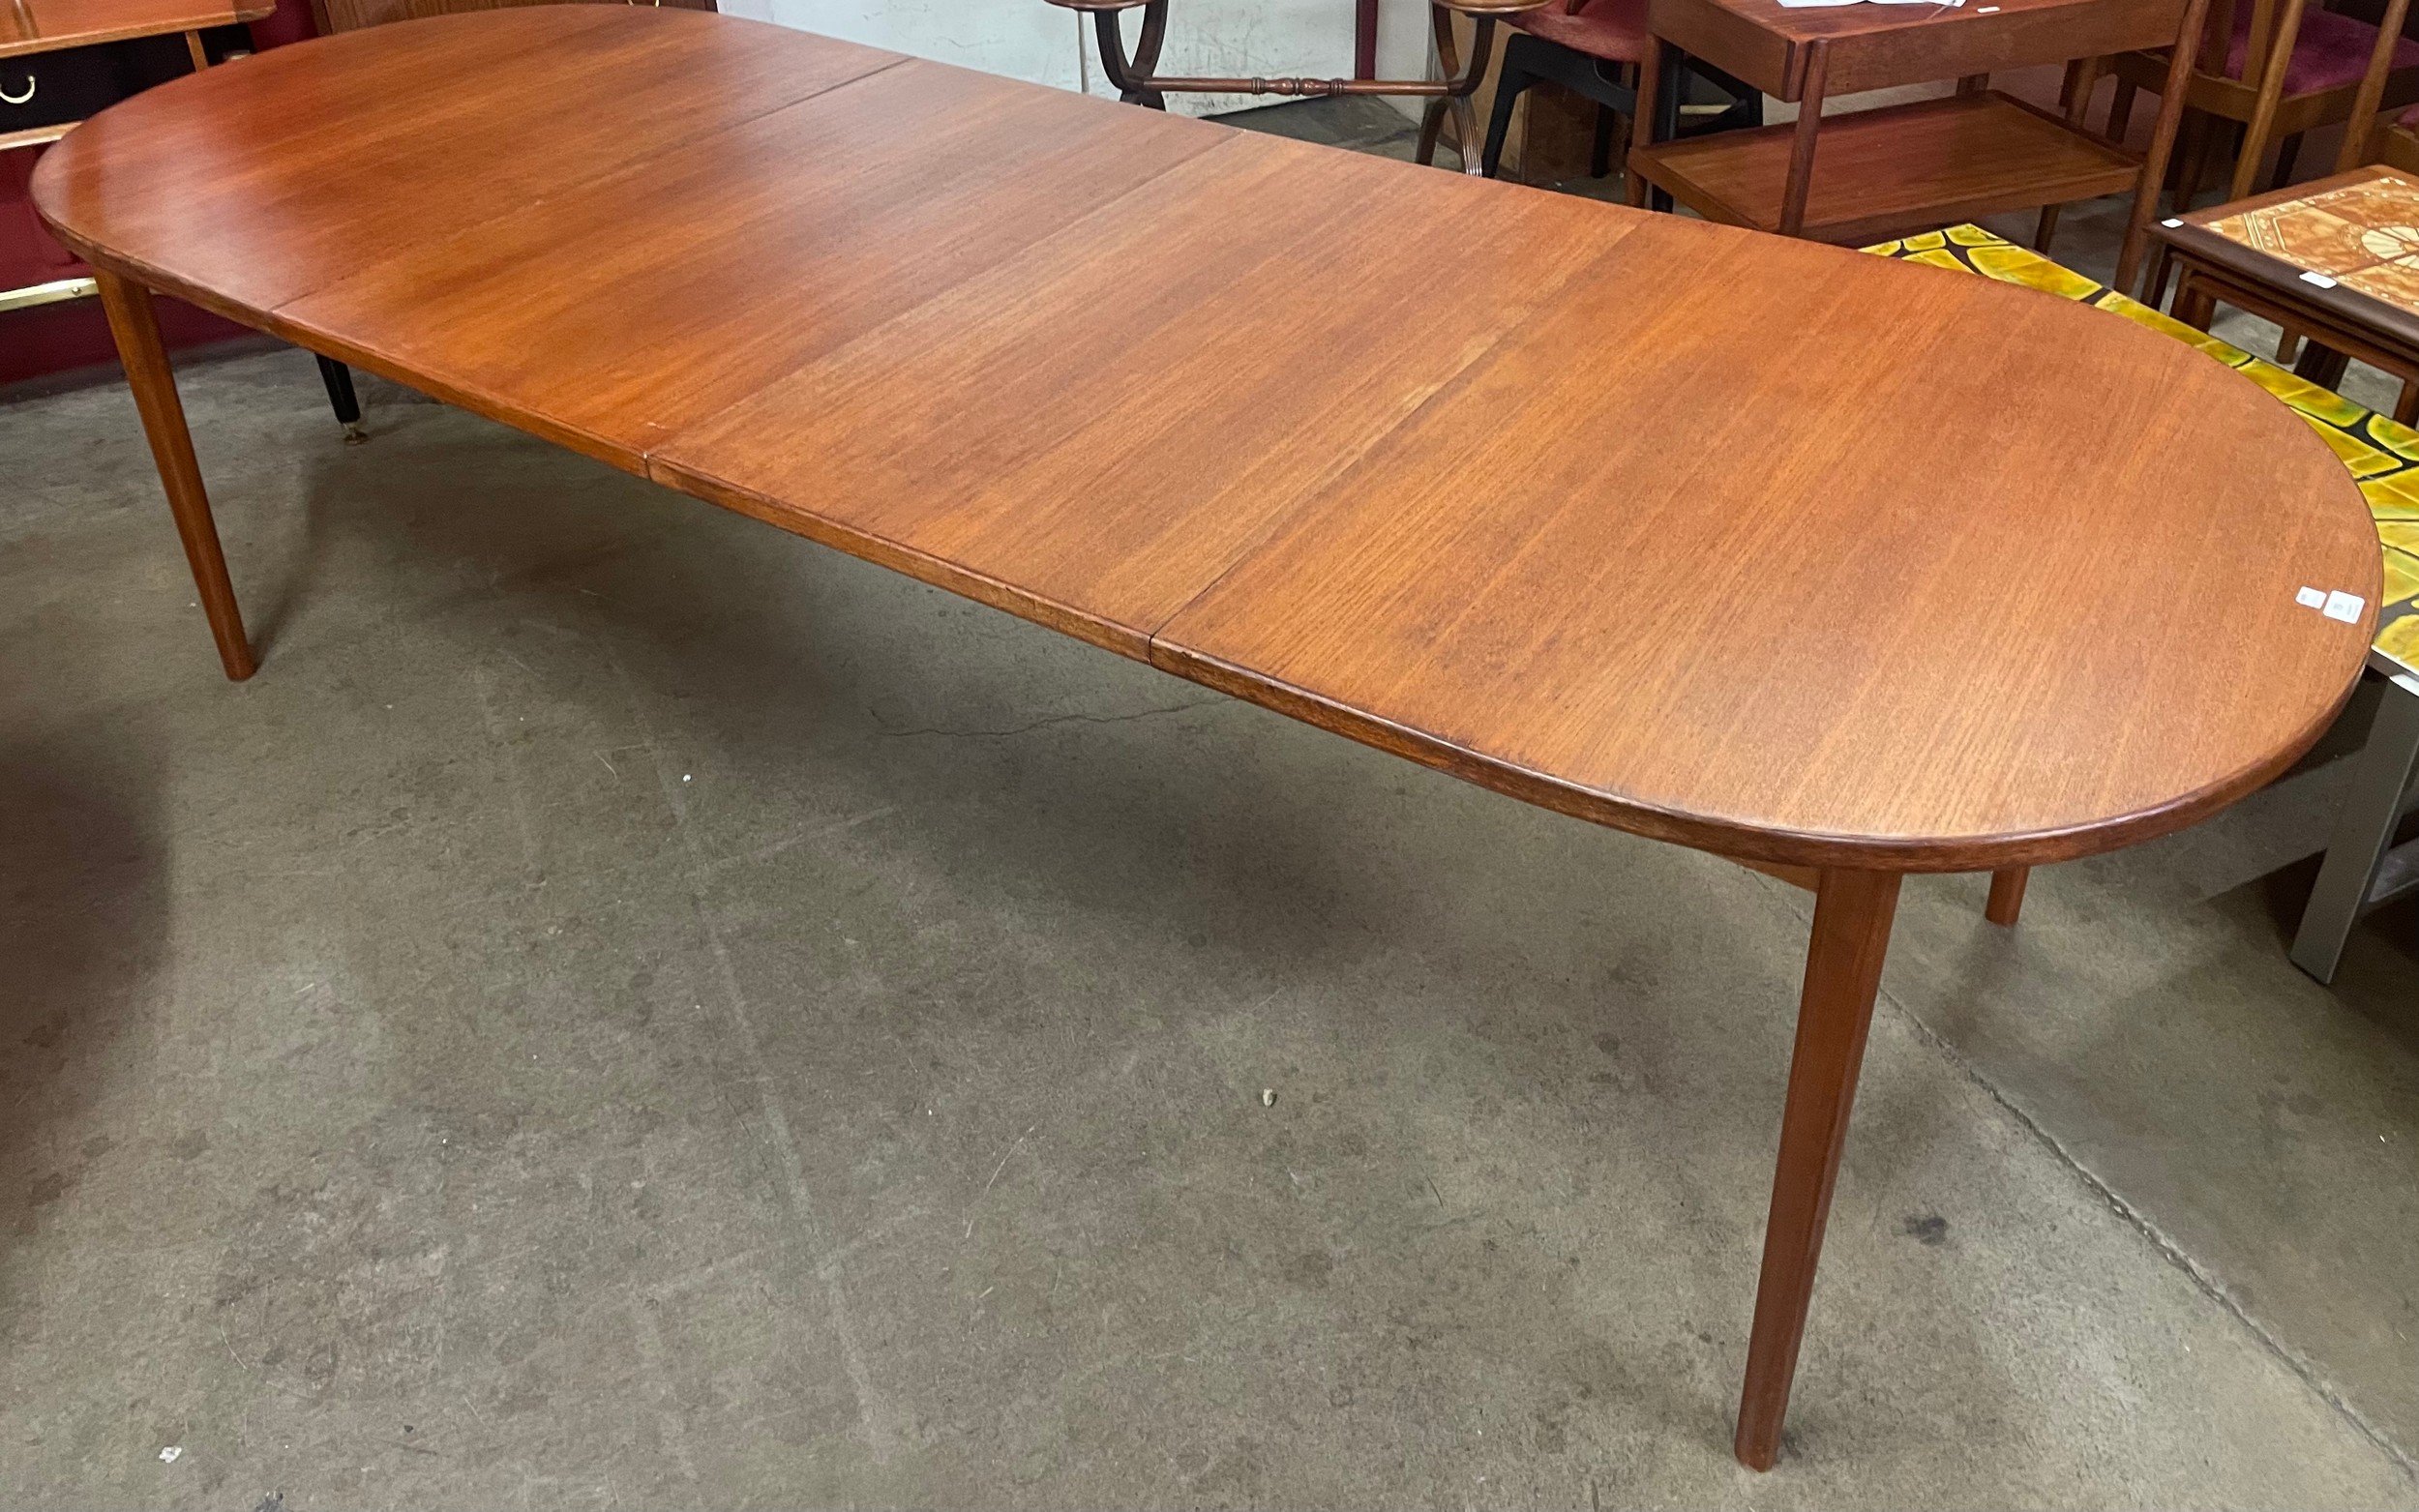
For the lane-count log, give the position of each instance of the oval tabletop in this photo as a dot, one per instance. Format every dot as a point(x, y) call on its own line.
point(1770, 547)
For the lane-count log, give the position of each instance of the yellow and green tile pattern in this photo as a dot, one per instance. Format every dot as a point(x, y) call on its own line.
point(2384, 456)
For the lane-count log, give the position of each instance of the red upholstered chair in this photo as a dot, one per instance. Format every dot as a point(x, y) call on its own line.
point(1593, 47)
point(2286, 65)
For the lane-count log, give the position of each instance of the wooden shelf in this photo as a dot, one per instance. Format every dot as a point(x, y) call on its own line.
point(1880, 174)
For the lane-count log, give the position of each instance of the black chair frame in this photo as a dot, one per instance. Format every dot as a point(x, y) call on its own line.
point(1530, 61)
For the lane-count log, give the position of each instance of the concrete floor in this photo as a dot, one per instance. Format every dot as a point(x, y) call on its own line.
point(632, 1008)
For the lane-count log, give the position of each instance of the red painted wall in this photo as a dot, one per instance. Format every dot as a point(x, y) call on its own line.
point(55, 338)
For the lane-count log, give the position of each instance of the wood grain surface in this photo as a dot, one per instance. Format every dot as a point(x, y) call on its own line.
point(1762, 546)
point(28, 26)
point(1797, 554)
point(1095, 431)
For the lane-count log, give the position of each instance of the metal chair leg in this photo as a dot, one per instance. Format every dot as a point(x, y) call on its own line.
point(339, 379)
point(2364, 832)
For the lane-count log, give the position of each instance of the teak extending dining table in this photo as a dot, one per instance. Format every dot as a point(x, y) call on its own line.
point(1778, 550)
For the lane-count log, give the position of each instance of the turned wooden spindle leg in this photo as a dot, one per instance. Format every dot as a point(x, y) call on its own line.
point(137, 331)
point(1852, 914)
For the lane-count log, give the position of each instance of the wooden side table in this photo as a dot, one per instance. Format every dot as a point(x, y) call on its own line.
point(2337, 261)
point(1907, 168)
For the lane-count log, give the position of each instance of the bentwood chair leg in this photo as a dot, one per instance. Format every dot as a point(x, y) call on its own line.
point(1130, 76)
point(1852, 916)
point(1447, 65)
point(1431, 125)
point(136, 328)
point(2007, 895)
point(337, 379)
point(2364, 832)
point(1466, 135)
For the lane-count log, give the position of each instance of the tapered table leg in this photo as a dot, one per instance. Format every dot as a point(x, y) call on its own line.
point(1852, 914)
point(2007, 895)
point(137, 331)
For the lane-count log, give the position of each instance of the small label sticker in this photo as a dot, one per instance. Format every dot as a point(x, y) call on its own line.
point(2318, 281)
point(2309, 597)
point(2344, 607)
point(2171, 223)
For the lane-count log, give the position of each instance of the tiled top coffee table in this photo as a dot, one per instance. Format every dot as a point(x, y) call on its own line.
point(2337, 261)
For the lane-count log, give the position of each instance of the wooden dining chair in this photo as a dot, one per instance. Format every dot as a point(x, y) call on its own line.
point(2276, 68)
point(2398, 144)
point(2369, 136)
point(1594, 48)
